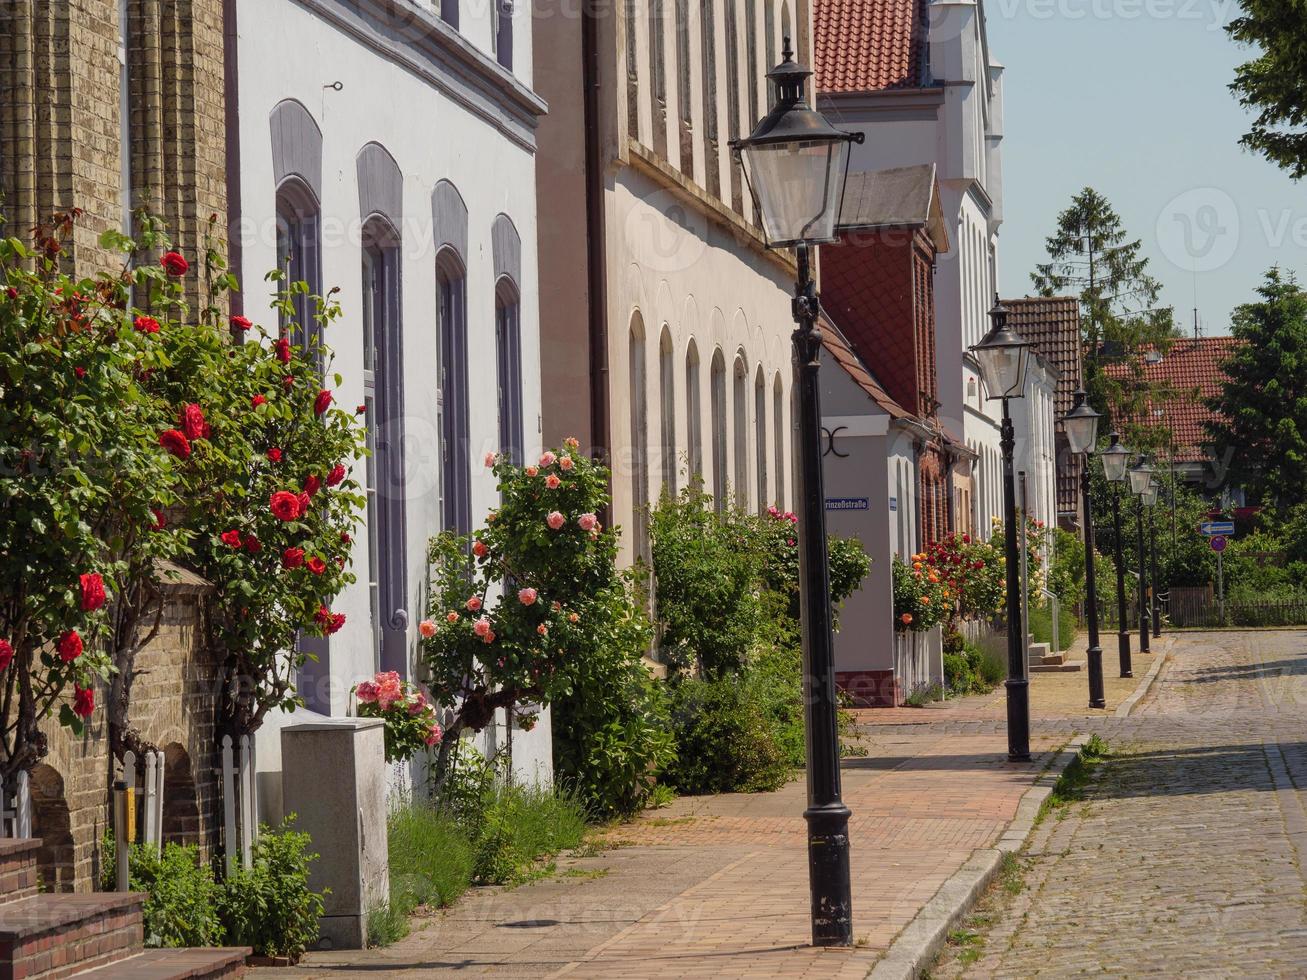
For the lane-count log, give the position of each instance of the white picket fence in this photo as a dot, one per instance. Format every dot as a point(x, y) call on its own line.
point(150, 829)
point(16, 807)
point(240, 802)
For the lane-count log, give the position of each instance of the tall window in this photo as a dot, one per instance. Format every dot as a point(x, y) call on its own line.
point(693, 413)
point(733, 98)
point(298, 253)
point(502, 32)
point(449, 12)
point(740, 389)
point(717, 383)
point(508, 350)
point(452, 395)
point(639, 438)
point(771, 54)
point(667, 391)
point(632, 73)
point(708, 18)
point(787, 25)
point(658, 74)
point(751, 39)
point(760, 435)
point(778, 435)
point(383, 362)
point(684, 102)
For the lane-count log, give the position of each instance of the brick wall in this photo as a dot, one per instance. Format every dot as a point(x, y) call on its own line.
point(174, 703)
point(60, 121)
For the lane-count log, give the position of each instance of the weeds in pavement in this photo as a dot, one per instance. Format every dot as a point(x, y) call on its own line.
point(1070, 786)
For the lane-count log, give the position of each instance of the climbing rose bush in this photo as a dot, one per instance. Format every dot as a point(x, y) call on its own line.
point(406, 709)
point(973, 572)
point(922, 600)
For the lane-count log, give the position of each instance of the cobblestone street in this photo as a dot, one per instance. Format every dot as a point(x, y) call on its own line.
point(1185, 857)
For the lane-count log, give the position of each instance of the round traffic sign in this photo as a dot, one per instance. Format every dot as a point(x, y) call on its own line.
point(1219, 543)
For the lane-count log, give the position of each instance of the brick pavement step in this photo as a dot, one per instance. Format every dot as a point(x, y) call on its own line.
point(1069, 666)
point(44, 937)
point(18, 868)
point(174, 964)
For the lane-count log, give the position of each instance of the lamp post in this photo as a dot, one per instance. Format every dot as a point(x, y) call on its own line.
point(796, 164)
point(1157, 587)
point(1115, 460)
point(1003, 356)
point(1081, 428)
point(1141, 481)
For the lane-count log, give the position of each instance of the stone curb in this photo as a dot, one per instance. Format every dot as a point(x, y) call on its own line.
point(914, 949)
point(1128, 705)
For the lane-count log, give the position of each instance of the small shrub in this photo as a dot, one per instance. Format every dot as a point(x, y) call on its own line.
point(723, 741)
point(520, 827)
point(959, 677)
point(775, 676)
point(182, 904)
point(924, 694)
point(269, 906)
point(431, 858)
point(991, 665)
point(1041, 625)
point(387, 924)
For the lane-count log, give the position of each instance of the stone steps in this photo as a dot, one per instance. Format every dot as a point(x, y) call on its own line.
point(173, 964)
point(1060, 667)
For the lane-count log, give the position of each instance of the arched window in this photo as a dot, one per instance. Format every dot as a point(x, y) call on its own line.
point(383, 394)
point(708, 62)
point(502, 31)
point(658, 75)
point(693, 413)
point(639, 438)
point(451, 393)
point(667, 390)
point(684, 101)
point(733, 98)
point(778, 434)
point(299, 257)
point(508, 348)
point(741, 406)
point(760, 435)
point(717, 409)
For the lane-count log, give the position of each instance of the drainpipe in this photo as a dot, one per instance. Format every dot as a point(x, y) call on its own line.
point(231, 109)
point(596, 244)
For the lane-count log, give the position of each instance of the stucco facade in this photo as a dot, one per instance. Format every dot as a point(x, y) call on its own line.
point(391, 153)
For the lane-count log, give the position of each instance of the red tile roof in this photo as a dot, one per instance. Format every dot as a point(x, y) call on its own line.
point(1193, 369)
point(869, 45)
point(837, 346)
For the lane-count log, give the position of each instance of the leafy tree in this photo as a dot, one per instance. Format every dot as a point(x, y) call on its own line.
point(1261, 411)
point(1090, 256)
point(1274, 84)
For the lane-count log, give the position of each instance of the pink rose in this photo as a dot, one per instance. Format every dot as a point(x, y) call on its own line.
point(542, 629)
point(571, 442)
point(547, 458)
point(587, 522)
point(418, 704)
point(482, 627)
point(473, 603)
point(527, 596)
point(479, 549)
point(490, 638)
point(427, 628)
point(451, 617)
point(565, 463)
point(490, 460)
point(366, 692)
point(532, 472)
point(553, 482)
point(555, 520)
point(435, 735)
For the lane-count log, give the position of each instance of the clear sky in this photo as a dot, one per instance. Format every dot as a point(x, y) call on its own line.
point(1129, 97)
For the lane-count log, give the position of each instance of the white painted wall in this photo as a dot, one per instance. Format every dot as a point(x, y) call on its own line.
point(286, 52)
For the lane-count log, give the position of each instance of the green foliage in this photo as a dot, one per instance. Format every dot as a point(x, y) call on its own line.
point(1041, 624)
point(269, 906)
point(723, 740)
point(1066, 572)
point(1271, 84)
point(923, 694)
point(409, 715)
point(181, 905)
point(846, 560)
point(1260, 421)
point(707, 566)
point(970, 670)
point(431, 858)
point(519, 827)
point(1091, 256)
point(775, 677)
point(921, 599)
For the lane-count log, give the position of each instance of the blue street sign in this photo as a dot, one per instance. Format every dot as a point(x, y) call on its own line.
point(1214, 528)
point(1218, 543)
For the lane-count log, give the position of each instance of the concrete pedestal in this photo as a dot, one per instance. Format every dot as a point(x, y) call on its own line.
point(334, 780)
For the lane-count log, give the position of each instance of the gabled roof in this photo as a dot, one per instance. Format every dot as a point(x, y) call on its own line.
point(901, 197)
point(838, 347)
point(1193, 369)
point(869, 45)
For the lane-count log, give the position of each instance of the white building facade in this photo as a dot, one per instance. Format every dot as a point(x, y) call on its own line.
point(387, 150)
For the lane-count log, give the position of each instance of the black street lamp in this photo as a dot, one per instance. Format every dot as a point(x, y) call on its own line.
point(1150, 502)
point(1081, 428)
point(1141, 481)
point(1115, 460)
point(1003, 356)
point(796, 164)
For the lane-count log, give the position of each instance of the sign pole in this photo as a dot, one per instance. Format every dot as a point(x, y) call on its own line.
point(1220, 585)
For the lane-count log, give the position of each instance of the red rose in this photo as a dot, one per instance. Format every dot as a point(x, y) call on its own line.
point(174, 264)
point(70, 646)
point(316, 565)
point(13, 292)
point(345, 538)
point(232, 538)
point(336, 475)
point(191, 420)
point(160, 521)
point(288, 381)
point(241, 322)
point(6, 654)
point(274, 455)
point(303, 499)
point(292, 558)
point(83, 701)
point(321, 402)
point(252, 544)
point(282, 349)
point(176, 443)
point(285, 505)
point(80, 372)
point(329, 622)
point(360, 410)
point(146, 324)
point(92, 591)
point(257, 400)
point(312, 484)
